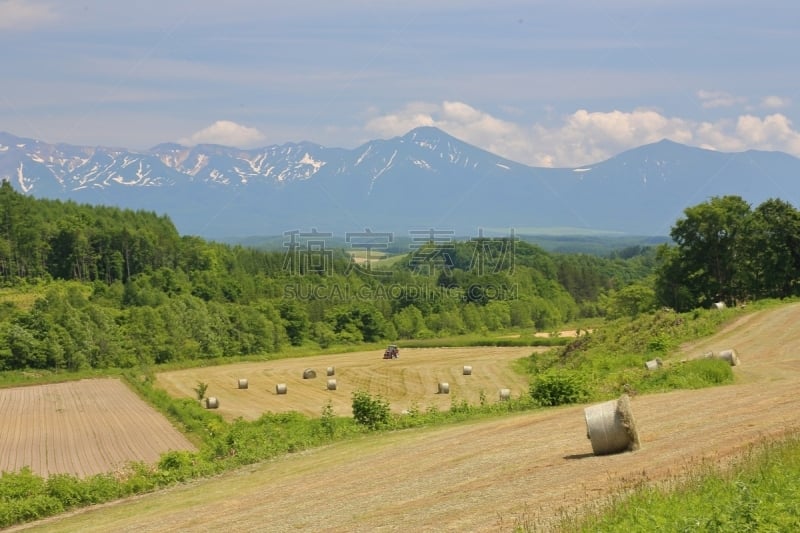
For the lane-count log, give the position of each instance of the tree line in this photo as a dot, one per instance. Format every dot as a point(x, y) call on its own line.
point(109, 287)
point(726, 251)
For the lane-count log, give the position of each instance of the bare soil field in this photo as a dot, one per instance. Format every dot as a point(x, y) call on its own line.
point(412, 378)
point(82, 428)
point(490, 475)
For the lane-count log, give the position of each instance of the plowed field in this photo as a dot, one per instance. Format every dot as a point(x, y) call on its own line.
point(412, 378)
point(81, 428)
point(483, 476)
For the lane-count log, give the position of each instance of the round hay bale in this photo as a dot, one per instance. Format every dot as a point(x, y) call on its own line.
point(505, 395)
point(444, 388)
point(611, 427)
point(467, 370)
point(280, 388)
point(719, 306)
point(331, 384)
point(729, 356)
point(243, 383)
point(653, 364)
point(212, 402)
point(309, 373)
point(330, 371)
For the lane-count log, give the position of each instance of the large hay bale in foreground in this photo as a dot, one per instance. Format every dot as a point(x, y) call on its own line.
point(505, 395)
point(331, 384)
point(280, 388)
point(611, 427)
point(243, 384)
point(730, 356)
point(467, 370)
point(309, 373)
point(212, 402)
point(330, 371)
point(444, 388)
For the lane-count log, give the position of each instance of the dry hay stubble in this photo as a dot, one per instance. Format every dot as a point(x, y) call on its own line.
point(404, 381)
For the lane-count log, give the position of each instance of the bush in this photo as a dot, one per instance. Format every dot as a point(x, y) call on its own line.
point(29, 509)
point(369, 411)
point(557, 387)
point(65, 488)
point(20, 485)
point(201, 390)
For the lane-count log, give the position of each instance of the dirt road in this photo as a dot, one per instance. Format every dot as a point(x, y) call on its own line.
point(483, 476)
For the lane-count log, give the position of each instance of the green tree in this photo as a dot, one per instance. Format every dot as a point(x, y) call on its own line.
point(370, 411)
point(630, 301)
point(705, 262)
point(295, 321)
point(769, 251)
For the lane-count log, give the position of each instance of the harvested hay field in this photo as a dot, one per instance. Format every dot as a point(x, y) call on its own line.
point(81, 427)
point(414, 377)
point(490, 475)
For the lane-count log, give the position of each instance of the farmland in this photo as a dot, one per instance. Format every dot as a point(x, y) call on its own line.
point(82, 428)
point(491, 475)
point(411, 379)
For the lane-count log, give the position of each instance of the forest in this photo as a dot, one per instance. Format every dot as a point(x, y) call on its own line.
point(99, 287)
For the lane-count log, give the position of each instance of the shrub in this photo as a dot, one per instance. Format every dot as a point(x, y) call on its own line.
point(557, 387)
point(369, 411)
point(20, 485)
point(176, 465)
point(328, 420)
point(201, 390)
point(65, 488)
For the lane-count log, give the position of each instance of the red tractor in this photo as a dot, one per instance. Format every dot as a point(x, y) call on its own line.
point(392, 352)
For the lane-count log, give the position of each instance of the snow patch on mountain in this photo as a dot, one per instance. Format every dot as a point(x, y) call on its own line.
point(313, 163)
point(362, 156)
point(23, 185)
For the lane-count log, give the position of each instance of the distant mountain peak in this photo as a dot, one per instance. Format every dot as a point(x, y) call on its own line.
point(426, 132)
point(167, 147)
point(425, 178)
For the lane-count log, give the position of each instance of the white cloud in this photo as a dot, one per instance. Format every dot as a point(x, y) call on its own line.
point(411, 116)
point(774, 102)
point(713, 99)
point(586, 137)
point(24, 15)
point(773, 132)
point(226, 133)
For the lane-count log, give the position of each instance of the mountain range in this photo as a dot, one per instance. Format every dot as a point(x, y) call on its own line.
point(423, 180)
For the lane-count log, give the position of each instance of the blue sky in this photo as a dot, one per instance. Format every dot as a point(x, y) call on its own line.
point(545, 83)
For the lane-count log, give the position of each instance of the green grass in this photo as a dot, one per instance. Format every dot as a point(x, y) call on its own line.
point(761, 492)
point(477, 340)
point(21, 378)
point(611, 360)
